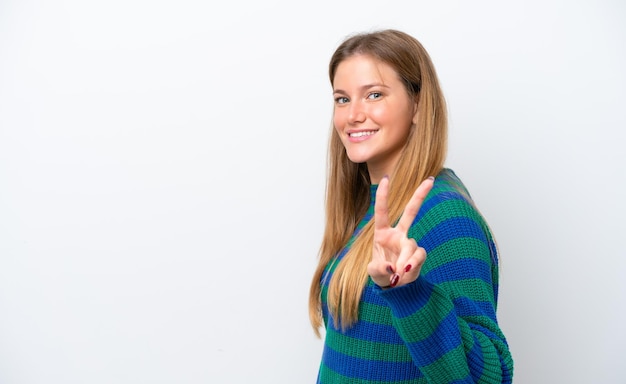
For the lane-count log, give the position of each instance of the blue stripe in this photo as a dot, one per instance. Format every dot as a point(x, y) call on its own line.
point(459, 270)
point(437, 199)
point(507, 374)
point(486, 331)
point(410, 298)
point(365, 330)
point(452, 228)
point(371, 296)
point(441, 341)
point(442, 191)
point(371, 370)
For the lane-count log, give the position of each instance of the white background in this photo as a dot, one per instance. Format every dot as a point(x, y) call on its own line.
point(162, 171)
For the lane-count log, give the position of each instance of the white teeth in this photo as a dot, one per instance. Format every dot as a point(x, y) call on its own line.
point(361, 134)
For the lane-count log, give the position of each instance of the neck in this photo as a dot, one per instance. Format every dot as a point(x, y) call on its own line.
point(379, 168)
point(377, 173)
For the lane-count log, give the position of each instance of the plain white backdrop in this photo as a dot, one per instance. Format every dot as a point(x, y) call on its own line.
point(162, 174)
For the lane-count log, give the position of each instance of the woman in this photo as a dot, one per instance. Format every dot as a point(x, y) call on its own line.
point(395, 311)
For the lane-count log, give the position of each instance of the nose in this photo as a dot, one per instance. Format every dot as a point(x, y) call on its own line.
point(356, 114)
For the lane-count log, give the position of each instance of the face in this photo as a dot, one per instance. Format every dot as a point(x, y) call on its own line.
point(373, 113)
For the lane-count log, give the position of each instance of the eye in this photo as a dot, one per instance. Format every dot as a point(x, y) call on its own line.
point(375, 95)
point(341, 100)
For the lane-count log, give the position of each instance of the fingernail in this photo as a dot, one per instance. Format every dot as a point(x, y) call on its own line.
point(431, 178)
point(390, 269)
point(386, 177)
point(394, 280)
point(408, 267)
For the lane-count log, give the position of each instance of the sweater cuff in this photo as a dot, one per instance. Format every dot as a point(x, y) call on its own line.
point(407, 299)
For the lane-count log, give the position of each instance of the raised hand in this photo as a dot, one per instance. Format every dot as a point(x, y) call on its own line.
point(396, 259)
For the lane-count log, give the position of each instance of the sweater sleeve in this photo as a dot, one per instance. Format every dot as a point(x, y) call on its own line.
point(447, 317)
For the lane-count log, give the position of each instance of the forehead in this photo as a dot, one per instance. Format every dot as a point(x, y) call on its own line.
point(364, 69)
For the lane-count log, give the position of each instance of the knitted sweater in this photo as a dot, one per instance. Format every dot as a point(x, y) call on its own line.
point(441, 328)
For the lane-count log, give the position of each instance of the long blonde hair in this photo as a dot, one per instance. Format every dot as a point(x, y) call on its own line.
point(347, 186)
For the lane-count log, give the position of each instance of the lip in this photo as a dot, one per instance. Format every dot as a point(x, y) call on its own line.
point(366, 134)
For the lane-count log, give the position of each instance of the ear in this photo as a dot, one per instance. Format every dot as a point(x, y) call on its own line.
point(415, 109)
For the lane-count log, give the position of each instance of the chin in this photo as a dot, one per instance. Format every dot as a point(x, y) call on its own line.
point(358, 159)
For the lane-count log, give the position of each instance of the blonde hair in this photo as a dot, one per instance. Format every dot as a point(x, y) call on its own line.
point(347, 186)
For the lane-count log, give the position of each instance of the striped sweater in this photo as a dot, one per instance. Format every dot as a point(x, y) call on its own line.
point(441, 328)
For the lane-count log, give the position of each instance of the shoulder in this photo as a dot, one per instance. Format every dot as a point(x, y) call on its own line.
point(449, 213)
point(448, 197)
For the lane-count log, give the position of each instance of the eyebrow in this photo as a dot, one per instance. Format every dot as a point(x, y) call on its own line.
point(362, 88)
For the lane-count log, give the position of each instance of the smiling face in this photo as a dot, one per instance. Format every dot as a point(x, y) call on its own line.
point(373, 113)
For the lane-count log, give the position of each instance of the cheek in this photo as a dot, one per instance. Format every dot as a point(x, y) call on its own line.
point(379, 115)
point(400, 121)
point(338, 119)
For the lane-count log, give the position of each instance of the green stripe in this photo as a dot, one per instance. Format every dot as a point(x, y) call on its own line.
point(449, 367)
point(489, 324)
point(383, 313)
point(421, 324)
point(367, 350)
point(455, 249)
point(457, 288)
point(490, 359)
point(421, 330)
point(445, 210)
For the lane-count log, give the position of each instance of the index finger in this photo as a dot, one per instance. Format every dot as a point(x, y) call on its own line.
point(381, 214)
point(413, 206)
